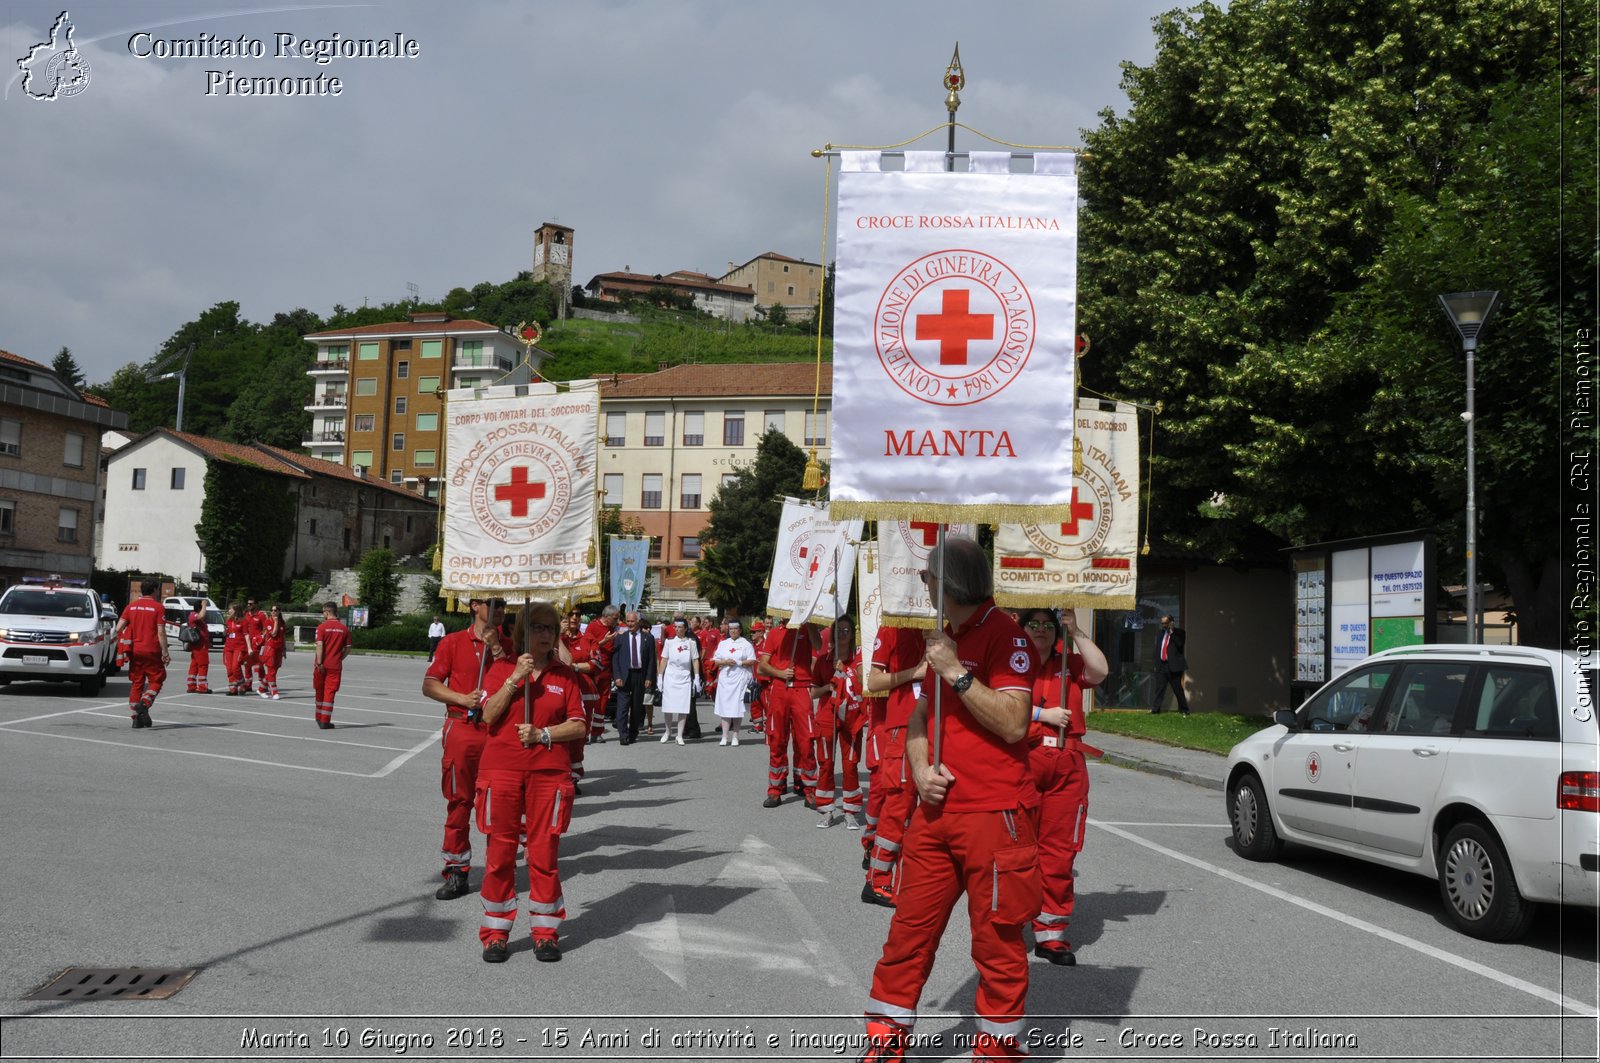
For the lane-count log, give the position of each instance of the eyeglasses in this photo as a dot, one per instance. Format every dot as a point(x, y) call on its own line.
point(1038, 625)
point(542, 629)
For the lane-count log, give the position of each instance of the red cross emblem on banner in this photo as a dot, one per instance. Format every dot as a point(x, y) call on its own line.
point(929, 530)
point(1080, 511)
point(519, 491)
point(954, 327)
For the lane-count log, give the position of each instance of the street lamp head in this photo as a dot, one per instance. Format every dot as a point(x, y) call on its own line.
point(1470, 312)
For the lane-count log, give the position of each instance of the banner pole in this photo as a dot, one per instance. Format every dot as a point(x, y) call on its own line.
point(938, 626)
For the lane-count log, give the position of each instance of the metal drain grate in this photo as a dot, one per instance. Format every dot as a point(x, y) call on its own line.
point(115, 983)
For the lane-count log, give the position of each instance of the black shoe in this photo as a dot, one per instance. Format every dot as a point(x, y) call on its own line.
point(495, 952)
point(233, 693)
point(137, 720)
point(326, 725)
point(869, 895)
point(812, 805)
point(1061, 957)
point(143, 719)
point(577, 791)
point(546, 951)
point(773, 801)
point(455, 885)
point(866, 861)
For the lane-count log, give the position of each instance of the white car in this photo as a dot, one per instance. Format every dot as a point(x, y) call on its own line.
point(1478, 766)
point(52, 630)
point(177, 612)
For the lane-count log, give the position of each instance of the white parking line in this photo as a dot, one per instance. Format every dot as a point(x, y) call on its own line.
point(1560, 999)
point(1126, 823)
point(69, 712)
point(287, 738)
point(297, 716)
point(193, 753)
point(394, 764)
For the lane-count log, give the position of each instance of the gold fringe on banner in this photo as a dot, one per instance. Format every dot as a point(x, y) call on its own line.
point(925, 623)
point(950, 512)
point(1063, 600)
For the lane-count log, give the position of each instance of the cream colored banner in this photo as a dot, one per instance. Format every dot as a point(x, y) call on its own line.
point(870, 616)
point(813, 564)
point(903, 548)
point(1092, 559)
point(520, 493)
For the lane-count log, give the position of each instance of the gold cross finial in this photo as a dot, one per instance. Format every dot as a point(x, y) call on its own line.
point(954, 80)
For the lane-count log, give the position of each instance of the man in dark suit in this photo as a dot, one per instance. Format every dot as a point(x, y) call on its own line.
point(1170, 665)
point(633, 676)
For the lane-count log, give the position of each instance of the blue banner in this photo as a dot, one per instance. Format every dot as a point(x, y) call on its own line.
point(629, 558)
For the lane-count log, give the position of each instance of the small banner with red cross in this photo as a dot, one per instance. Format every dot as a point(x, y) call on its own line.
point(954, 334)
point(1092, 558)
point(520, 493)
point(869, 617)
point(903, 549)
point(813, 565)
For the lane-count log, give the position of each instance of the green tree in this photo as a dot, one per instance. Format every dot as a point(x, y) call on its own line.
point(246, 527)
point(378, 585)
point(66, 367)
point(1274, 154)
point(741, 534)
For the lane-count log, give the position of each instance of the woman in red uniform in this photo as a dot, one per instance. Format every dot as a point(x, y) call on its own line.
point(235, 646)
point(532, 708)
point(1056, 762)
point(272, 651)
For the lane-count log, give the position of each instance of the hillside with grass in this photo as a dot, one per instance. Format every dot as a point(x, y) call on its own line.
point(583, 348)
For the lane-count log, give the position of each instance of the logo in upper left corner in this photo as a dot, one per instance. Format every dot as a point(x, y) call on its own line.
point(55, 69)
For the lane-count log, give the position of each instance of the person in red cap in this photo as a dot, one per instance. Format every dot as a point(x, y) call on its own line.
point(972, 831)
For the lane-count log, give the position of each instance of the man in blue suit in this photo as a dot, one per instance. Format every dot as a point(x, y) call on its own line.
point(633, 676)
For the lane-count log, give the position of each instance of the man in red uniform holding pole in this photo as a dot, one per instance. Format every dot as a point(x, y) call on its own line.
point(971, 831)
point(333, 642)
point(455, 678)
point(146, 624)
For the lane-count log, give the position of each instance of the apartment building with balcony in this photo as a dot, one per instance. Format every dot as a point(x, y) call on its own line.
point(377, 393)
point(669, 440)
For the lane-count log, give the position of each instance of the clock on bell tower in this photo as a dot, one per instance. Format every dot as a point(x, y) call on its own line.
point(552, 259)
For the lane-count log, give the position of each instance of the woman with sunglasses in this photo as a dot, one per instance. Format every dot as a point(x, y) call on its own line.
point(1056, 762)
point(272, 651)
point(532, 709)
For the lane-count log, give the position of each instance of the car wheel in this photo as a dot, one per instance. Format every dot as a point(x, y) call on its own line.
point(1253, 833)
point(5, 680)
point(1478, 887)
point(91, 687)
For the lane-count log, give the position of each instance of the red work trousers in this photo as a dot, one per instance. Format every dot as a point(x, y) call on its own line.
point(505, 799)
point(233, 664)
point(994, 859)
point(458, 781)
point(325, 684)
point(271, 659)
point(789, 717)
point(895, 796)
point(1062, 776)
point(146, 673)
point(850, 729)
point(199, 680)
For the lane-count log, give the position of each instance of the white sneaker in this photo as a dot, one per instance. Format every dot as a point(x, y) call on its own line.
point(724, 741)
point(276, 698)
point(664, 739)
point(852, 821)
point(680, 740)
point(827, 819)
point(263, 694)
point(735, 739)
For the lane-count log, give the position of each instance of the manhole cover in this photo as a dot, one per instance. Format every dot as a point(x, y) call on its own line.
point(115, 983)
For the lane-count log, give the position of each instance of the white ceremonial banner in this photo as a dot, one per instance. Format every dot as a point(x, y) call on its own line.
point(813, 564)
point(870, 616)
point(954, 335)
point(1092, 558)
point(520, 492)
point(903, 549)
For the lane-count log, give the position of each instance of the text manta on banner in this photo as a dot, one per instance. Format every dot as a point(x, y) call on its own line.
point(954, 342)
point(520, 492)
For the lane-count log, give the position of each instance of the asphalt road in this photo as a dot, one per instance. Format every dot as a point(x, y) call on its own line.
point(295, 869)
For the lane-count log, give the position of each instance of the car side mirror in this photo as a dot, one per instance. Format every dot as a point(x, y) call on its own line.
point(1287, 718)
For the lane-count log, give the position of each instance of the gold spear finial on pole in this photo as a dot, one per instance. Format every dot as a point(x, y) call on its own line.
point(954, 81)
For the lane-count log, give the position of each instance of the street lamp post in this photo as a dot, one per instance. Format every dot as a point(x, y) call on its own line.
point(1470, 312)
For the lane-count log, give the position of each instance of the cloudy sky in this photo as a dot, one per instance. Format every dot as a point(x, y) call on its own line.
point(670, 134)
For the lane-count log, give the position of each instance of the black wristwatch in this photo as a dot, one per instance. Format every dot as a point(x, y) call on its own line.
point(963, 684)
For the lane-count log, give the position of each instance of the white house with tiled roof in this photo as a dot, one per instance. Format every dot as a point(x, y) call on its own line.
point(155, 488)
point(668, 440)
point(726, 302)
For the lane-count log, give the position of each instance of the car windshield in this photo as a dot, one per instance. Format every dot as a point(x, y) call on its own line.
point(46, 603)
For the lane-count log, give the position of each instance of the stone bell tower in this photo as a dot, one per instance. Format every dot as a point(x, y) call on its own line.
point(552, 260)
